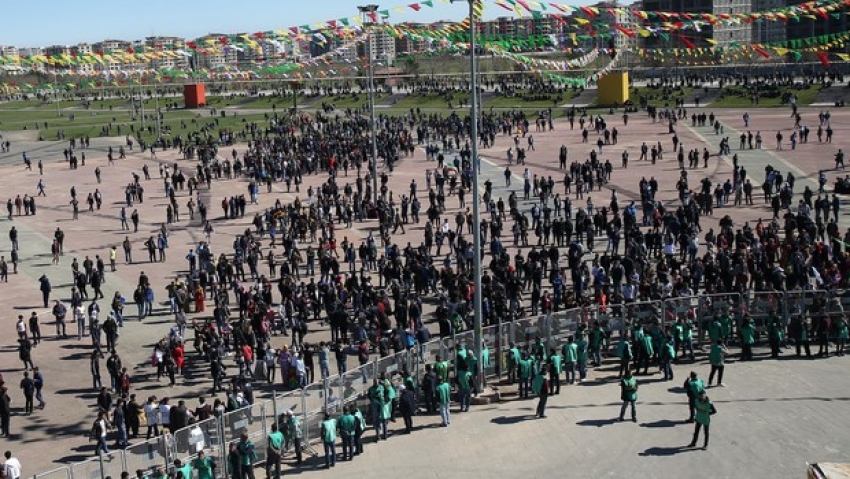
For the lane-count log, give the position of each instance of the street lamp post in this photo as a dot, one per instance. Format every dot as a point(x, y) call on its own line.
point(476, 199)
point(368, 13)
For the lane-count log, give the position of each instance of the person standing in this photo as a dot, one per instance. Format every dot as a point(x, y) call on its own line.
point(347, 429)
point(748, 338)
point(464, 380)
point(570, 351)
point(628, 394)
point(205, 466)
point(554, 372)
point(378, 398)
point(407, 407)
point(543, 386)
point(274, 452)
point(38, 382)
point(717, 358)
point(247, 456)
point(35, 329)
point(693, 387)
point(525, 373)
point(329, 429)
point(98, 433)
point(704, 410)
point(5, 412)
point(12, 466)
point(44, 286)
point(28, 387)
point(294, 434)
point(666, 355)
point(444, 398)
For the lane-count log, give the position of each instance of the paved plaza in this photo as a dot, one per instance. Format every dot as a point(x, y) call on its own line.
point(773, 416)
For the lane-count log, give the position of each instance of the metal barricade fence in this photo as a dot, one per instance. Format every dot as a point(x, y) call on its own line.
point(683, 307)
point(759, 305)
point(719, 304)
point(334, 394)
point(250, 420)
point(355, 383)
point(63, 472)
point(525, 330)
point(202, 436)
point(315, 397)
point(148, 455)
point(99, 467)
point(491, 338)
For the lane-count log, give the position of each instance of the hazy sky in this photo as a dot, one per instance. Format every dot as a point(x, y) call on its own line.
point(52, 22)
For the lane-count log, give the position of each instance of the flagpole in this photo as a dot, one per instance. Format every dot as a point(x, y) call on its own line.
point(365, 11)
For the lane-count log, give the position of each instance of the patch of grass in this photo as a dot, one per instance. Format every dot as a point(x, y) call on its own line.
point(739, 97)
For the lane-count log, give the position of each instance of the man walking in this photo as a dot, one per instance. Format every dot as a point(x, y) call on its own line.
point(28, 387)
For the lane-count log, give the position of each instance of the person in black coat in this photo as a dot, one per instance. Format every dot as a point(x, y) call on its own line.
point(407, 406)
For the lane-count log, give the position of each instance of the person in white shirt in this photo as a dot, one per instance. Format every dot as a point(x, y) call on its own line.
point(165, 415)
point(12, 466)
point(152, 416)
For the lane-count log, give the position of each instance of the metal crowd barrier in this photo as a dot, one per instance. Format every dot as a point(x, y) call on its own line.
point(214, 435)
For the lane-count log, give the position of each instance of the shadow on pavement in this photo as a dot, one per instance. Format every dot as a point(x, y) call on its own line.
point(508, 420)
point(661, 423)
point(666, 451)
point(597, 422)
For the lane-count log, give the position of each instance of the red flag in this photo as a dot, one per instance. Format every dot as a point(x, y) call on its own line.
point(415, 6)
point(824, 58)
point(630, 33)
point(761, 51)
point(687, 42)
point(590, 13)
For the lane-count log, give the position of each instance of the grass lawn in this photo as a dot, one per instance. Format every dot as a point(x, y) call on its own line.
point(737, 97)
point(658, 96)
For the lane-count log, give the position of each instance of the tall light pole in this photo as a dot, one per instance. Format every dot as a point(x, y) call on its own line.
point(368, 13)
point(476, 196)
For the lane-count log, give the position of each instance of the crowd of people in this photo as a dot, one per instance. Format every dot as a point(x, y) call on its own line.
point(295, 269)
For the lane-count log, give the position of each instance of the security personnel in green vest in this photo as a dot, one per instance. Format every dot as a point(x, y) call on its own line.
point(444, 398)
point(347, 429)
point(274, 452)
point(329, 429)
point(748, 338)
point(538, 349)
point(628, 394)
point(774, 334)
point(646, 352)
point(441, 368)
point(665, 359)
point(525, 376)
point(581, 356)
point(597, 343)
point(726, 325)
point(464, 382)
point(717, 358)
point(624, 351)
point(513, 363)
point(715, 329)
point(693, 387)
point(801, 336)
point(687, 337)
point(843, 333)
point(704, 410)
point(359, 429)
point(570, 351)
point(472, 363)
point(185, 470)
point(378, 398)
point(554, 372)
